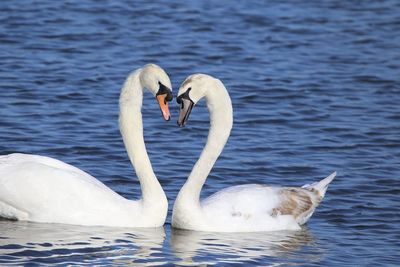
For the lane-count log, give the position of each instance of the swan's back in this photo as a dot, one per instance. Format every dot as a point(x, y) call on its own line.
point(22, 161)
point(256, 207)
point(246, 208)
point(44, 189)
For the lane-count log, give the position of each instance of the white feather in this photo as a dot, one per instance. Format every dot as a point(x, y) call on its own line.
point(242, 208)
point(42, 189)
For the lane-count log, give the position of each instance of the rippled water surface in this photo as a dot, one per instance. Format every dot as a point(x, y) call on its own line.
point(315, 88)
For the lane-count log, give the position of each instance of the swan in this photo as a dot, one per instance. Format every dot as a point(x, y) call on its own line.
point(241, 208)
point(42, 189)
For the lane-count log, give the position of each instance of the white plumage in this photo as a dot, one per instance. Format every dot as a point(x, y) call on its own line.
point(242, 208)
point(42, 189)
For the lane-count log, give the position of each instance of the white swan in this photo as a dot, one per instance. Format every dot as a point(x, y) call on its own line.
point(242, 208)
point(42, 189)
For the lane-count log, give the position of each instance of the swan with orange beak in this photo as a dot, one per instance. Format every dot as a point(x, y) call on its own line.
point(42, 189)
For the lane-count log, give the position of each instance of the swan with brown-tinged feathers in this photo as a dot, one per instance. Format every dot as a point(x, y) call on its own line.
point(241, 208)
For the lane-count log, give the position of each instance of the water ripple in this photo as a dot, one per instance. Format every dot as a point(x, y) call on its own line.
point(314, 86)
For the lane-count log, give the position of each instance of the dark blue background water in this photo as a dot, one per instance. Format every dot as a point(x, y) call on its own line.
point(315, 88)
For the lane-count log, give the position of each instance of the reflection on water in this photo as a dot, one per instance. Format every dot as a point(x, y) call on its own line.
point(48, 244)
point(25, 242)
point(194, 248)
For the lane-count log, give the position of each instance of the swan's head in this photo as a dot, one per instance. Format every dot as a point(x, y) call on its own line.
point(156, 80)
point(191, 91)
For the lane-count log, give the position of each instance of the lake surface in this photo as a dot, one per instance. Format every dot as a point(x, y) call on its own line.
point(315, 88)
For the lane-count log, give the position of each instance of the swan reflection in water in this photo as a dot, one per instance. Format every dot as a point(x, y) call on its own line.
point(26, 242)
point(195, 247)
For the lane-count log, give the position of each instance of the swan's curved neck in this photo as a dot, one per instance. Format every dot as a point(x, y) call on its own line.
point(220, 108)
point(131, 127)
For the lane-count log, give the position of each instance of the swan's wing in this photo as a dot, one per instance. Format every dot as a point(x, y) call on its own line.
point(247, 208)
point(244, 200)
point(297, 202)
point(43, 189)
point(258, 206)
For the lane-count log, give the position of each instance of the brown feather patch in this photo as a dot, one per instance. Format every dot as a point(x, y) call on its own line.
point(294, 202)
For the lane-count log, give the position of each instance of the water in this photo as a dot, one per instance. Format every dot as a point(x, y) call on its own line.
point(315, 88)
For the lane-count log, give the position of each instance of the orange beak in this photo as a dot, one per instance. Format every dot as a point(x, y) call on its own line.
point(162, 101)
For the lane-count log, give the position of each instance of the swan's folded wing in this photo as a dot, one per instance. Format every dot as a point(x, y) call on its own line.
point(47, 189)
point(249, 207)
point(243, 202)
point(298, 202)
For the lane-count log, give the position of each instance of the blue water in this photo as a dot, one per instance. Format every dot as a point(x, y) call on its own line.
point(315, 88)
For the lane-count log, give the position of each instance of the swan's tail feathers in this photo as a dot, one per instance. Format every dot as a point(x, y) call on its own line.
point(322, 185)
